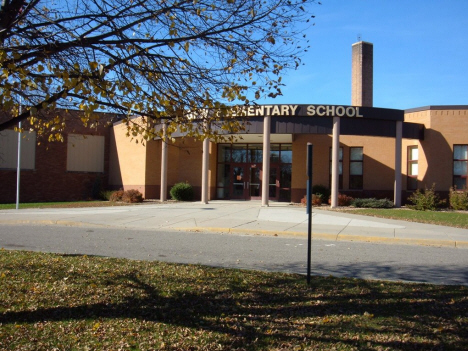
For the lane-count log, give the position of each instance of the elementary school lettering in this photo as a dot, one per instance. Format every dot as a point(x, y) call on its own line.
point(301, 110)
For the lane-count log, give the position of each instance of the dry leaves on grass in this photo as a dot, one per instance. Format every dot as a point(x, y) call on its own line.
point(76, 302)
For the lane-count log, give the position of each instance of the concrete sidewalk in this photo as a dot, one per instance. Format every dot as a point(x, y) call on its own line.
point(244, 217)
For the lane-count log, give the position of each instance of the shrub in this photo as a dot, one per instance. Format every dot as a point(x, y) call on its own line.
point(316, 200)
point(458, 199)
point(321, 190)
point(182, 192)
point(106, 195)
point(343, 200)
point(425, 200)
point(372, 203)
point(116, 195)
point(132, 196)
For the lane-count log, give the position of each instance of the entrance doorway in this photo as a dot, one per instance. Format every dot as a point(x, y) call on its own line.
point(240, 172)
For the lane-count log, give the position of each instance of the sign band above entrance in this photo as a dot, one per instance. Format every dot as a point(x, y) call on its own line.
point(288, 110)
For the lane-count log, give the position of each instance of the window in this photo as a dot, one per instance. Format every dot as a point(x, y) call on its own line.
point(412, 168)
point(85, 153)
point(9, 149)
point(340, 168)
point(460, 165)
point(356, 157)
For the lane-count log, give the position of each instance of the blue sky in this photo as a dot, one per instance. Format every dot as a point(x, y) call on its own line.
point(420, 53)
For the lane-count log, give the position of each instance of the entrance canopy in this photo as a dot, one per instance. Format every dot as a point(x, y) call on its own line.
point(318, 119)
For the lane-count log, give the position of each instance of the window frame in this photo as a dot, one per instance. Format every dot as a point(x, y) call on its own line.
point(412, 179)
point(356, 181)
point(465, 160)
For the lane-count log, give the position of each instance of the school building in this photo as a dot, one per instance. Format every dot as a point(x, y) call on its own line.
point(359, 150)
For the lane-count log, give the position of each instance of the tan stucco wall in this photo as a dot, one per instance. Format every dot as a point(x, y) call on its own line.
point(378, 163)
point(184, 165)
point(127, 164)
point(448, 127)
point(444, 128)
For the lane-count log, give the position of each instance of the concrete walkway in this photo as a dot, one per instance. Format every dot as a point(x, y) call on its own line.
point(278, 219)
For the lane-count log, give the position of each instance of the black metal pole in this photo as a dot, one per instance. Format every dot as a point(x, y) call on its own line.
point(309, 209)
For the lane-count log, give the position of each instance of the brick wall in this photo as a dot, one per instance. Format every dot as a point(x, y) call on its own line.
point(50, 181)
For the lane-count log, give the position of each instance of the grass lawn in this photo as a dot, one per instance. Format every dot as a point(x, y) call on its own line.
point(447, 218)
point(60, 302)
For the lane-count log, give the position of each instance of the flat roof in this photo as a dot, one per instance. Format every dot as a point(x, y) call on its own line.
point(437, 108)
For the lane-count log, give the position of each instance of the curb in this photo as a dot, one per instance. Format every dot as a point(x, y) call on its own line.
point(318, 236)
point(51, 222)
point(337, 237)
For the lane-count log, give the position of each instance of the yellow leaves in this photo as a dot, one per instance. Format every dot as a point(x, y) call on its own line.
point(93, 65)
point(271, 40)
point(55, 137)
point(186, 46)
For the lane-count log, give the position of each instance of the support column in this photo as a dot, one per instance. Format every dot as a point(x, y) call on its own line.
point(398, 175)
point(164, 151)
point(205, 168)
point(266, 160)
point(335, 176)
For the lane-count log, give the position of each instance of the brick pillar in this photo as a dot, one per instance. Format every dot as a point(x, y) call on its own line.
point(362, 82)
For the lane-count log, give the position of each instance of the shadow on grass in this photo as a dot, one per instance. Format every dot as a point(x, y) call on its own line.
point(284, 311)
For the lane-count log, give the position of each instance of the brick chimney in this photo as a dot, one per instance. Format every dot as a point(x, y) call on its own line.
point(362, 82)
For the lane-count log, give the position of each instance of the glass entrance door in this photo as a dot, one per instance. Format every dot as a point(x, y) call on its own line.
point(239, 183)
point(240, 172)
point(246, 182)
point(255, 186)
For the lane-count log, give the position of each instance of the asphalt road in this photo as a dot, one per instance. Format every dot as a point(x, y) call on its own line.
point(285, 254)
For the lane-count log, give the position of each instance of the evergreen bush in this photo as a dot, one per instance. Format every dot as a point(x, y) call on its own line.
point(372, 203)
point(182, 192)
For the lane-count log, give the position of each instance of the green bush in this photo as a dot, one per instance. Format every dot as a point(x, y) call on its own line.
point(458, 199)
point(182, 192)
point(372, 203)
point(106, 195)
point(425, 200)
point(322, 191)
